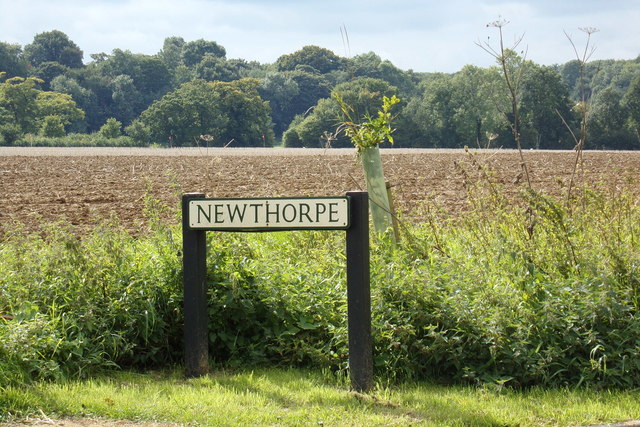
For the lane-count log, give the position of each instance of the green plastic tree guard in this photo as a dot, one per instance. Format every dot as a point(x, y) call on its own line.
point(377, 189)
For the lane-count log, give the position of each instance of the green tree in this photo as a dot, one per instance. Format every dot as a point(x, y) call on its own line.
point(52, 126)
point(135, 81)
point(60, 105)
point(9, 130)
point(311, 88)
point(47, 71)
point(85, 99)
point(629, 71)
point(364, 95)
point(579, 76)
point(431, 113)
point(182, 74)
point(11, 60)
point(193, 52)
point(213, 68)
point(181, 116)
point(631, 102)
point(25, 108)
point(544, 105)
point(53, 46)
point(247, 69)
point(150, 75)
point(171, 52)
point(320, 59)
point(280, 90)
point(18, 100)
point(224, 111)
point(127, 101)
point(607, 125)
point(111, 129)
point(248, 115)
point(364, 65)
point(472, 105)
point(570, 73)
point(454, 110)
point(371, 65)
point(317, 128)
point(616, 73)
point(294, 93)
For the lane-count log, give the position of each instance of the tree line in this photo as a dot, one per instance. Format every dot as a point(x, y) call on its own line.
point(190, 93)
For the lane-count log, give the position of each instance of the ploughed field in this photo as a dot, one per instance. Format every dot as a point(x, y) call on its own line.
point(82, 186)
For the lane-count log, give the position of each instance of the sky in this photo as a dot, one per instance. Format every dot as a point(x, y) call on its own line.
point(425, 36)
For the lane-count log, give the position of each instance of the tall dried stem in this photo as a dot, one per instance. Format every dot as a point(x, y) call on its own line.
point(512, 81)
point(581, 107)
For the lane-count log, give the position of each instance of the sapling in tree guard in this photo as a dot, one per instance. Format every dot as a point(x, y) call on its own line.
point(366, 137)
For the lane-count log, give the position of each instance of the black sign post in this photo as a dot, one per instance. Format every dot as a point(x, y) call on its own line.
point(350, 213)
point(194, 261)
point(359, 294)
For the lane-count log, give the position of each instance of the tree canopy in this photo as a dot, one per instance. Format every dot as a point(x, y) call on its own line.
point(164, 98)
point(26, 109)
point(220, 112)
point(315, 58)
point(319, 127)
point(53, 46)
point(12, 61)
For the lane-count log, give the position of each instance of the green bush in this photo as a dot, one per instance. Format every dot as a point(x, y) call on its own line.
point(270, 304)
point(9, 133)
point(526, 292)
point(111, 129)
point(52, 127)
point(90, 303)
point(77, 140)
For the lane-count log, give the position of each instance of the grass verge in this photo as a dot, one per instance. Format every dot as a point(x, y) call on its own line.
point(293, 397)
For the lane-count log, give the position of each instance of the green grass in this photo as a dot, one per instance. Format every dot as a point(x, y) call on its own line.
point(295, 397)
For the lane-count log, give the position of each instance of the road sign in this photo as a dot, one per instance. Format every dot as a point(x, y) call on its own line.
point(327, 213)
point(350, 213)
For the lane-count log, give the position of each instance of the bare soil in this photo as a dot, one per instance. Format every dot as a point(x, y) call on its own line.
point(82, 186)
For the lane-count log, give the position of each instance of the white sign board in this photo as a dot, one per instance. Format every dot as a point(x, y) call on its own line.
point(269, 214)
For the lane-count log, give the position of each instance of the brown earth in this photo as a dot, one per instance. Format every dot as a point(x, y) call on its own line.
point(81, 186)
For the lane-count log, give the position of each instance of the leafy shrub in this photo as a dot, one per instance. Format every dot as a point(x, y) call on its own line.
point(9, 133)
point(528, 293)
point(111, 129)
point(264, 309)
point(90, 303)
point(77, 140)
point(52, 126)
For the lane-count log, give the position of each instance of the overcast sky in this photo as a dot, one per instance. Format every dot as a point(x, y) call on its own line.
point(420, 35)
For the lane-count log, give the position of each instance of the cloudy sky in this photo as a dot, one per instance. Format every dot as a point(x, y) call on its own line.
point(423, 35)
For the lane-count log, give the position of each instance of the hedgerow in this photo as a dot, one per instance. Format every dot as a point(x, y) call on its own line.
point(524, 293)
point(77, 140)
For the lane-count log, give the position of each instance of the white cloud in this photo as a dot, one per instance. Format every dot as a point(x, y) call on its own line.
point(424, 36)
